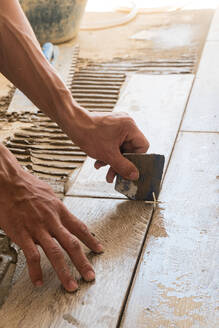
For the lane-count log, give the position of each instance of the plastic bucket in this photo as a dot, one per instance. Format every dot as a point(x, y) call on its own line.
point(55, 21)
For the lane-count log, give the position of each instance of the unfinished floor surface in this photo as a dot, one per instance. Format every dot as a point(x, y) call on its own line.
point(149, 99)
point(120, 224)
point(121, 227)
point(162, 276)
point(177, 281)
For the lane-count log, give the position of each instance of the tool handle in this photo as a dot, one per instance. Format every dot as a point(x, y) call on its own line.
point(48, 51)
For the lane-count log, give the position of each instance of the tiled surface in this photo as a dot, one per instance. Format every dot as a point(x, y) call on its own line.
point(177, 281)
point(203, 111)
point(121, 227)
point(157, 104)
point(213, 34)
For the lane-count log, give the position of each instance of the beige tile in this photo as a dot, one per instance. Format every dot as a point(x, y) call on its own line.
point(121, 226)
point(202, 113)
point(213, 34)
point(177, 281)
point(157, 104)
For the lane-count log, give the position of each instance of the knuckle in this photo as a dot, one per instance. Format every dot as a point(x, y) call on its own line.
point(55, 252)
point(85, 267)
point(129, 122)
point(84, 229)
point(60, 230)
point(64, 272)
point(33, 258)
point(75, 245)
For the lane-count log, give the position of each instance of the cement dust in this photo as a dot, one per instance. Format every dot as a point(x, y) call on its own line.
point(158, 227)
point(106, 45)
point(71, 320)
point(174, 36)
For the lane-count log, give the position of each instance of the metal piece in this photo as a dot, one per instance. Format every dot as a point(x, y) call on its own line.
point(150, 173)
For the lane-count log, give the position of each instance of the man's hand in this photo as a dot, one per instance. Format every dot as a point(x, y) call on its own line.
point(30, 212)
point(32, 215)
point(103, 137)
point(106, 137)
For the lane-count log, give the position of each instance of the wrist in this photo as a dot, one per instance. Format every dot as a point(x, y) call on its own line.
point(11, 174)
point(77, 123)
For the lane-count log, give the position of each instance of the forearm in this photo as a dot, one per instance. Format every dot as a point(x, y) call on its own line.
point(23, 63)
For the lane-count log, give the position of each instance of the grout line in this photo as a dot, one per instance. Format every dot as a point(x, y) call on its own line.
point(97, 196)
point(212, 41)
point(114, 198)
point(140, 253)
point(188, 99)
point(178, 131)
point(127, 294)
point(151, 219)
point(191, 131)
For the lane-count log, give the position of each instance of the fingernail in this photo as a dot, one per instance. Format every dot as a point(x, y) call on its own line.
point(100, 248)
point(72, 286)
point(89, 276)
point(134, 175)
point(38, 283)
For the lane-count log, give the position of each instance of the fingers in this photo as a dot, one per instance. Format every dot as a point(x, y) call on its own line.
point(124, 167)
point(33, 261)
point(98, 164)
point(135, 139)
point(110, 175)
point(56, 257)
point(120, 165)
point(72, 246)
point(80, 230)
point(137, 145)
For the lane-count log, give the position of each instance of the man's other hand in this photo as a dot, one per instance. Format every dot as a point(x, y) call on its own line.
point(32, 215)
point(107, 138)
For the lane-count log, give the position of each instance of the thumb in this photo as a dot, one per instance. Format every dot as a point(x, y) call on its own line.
point(124, 167)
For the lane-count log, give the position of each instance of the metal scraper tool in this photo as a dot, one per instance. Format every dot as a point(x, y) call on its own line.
point(150, 168)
